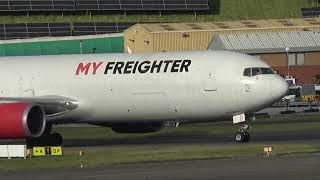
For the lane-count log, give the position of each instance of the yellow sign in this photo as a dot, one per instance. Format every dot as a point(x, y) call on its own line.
point(267, 149)
point(81, 153)
point(39, 151)
point(42, 151)
point(56, 151)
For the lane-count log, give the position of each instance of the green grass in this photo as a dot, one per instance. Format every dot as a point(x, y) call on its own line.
point(114, 155)
point(223, 10)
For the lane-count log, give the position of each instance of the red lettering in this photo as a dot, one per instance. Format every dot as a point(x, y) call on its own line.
point(82, 68)
point(95, 67)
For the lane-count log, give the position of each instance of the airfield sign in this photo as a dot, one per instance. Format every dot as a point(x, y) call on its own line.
point(43, 151)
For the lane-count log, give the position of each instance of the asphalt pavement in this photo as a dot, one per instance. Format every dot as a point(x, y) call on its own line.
point(276, 167)
point(301, 167)
point(310, 137)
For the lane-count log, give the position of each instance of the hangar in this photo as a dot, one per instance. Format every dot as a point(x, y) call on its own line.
point(197, 36)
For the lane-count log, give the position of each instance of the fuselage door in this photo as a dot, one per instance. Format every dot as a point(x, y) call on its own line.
point(210, 83)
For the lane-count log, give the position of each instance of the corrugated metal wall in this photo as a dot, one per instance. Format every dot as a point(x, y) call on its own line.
point(312, 58)
point(177, 41)
point(267, 29)
point(200, 40)
point(185, 41)
point(138, 39)
point(89, 46)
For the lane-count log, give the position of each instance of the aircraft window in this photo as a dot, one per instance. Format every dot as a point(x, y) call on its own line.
point(266, 71)
point(256, 71)
point(247, 72)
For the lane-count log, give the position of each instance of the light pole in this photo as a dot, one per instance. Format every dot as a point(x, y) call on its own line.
point(287, 52)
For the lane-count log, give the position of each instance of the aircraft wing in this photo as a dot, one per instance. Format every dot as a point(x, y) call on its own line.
point(52, 105)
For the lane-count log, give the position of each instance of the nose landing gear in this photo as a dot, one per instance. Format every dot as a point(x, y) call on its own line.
point(242, 135)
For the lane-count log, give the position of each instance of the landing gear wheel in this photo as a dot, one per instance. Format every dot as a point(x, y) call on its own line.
point(246, 137)
point(241, 137)
point(54, 139)
point(47, 130)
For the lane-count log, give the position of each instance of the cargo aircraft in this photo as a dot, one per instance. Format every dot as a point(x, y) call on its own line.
point(132, 93)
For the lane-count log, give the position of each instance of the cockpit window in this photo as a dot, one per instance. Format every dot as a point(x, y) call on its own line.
point(247, 72)
point(256, 71)
point(266, 71)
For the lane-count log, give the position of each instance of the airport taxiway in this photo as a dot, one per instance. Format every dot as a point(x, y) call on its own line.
point(308, 137)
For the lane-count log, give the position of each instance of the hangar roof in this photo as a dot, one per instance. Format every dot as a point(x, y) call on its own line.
point(255, 43)
point(230, 25)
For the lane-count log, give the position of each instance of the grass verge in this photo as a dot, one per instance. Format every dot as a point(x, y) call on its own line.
point(115, 155)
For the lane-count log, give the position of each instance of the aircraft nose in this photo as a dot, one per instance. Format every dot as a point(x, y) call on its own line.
point(279, 88)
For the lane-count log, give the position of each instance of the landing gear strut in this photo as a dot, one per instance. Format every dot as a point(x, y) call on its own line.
point(47, 139)
point(242, 135)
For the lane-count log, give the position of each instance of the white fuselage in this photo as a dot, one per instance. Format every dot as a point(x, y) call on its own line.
point(210, 86)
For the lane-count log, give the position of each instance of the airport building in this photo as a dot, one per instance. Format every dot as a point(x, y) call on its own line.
point(279, 42)
point(197, 36)
point(290, 53)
